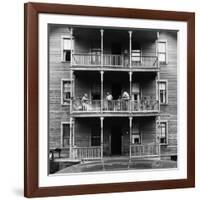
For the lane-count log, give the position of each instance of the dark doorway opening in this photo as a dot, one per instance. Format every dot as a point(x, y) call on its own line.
point(116, 48)
point(116, 91)
point(116, 140)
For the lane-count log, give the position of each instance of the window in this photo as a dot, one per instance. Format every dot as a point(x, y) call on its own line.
point(162, 85)
point(66, 48)
point(162, 132)
point(65, 91)
point(95, 137)
point(136, 55)
point(65, 134)
point(136, 135)
point(162, 51)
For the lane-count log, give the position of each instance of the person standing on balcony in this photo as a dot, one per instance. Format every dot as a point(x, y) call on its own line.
point(125, 98)
point(109, 99)
point(126, 58)
point(84, 101)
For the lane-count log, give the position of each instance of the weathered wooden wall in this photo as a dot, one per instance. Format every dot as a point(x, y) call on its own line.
point(169, 72)
point(58, 70)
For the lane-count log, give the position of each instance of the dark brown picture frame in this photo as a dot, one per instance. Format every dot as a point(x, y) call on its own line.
point(31, 186)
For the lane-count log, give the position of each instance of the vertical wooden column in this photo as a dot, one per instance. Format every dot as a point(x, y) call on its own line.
point(72, 88)
point(158, 73)
point(102, 31)
point(101, 118)
point(130, 90)
point(71, 71)
point(73, 85)
point(72, 48)
point(157, 95)
point(130, 135)
point(73, 132)
point(102, 77)
point(70, 137)
point(130, 47)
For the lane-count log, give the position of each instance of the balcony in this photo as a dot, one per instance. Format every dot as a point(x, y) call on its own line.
point(111, 62)
point(115, 107)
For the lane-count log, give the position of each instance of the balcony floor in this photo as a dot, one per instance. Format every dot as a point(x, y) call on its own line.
point(122, 68)
point(114, 114)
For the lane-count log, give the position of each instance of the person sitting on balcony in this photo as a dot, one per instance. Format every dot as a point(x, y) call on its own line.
point(109, 99)
point(84, 101)
point(125, 98)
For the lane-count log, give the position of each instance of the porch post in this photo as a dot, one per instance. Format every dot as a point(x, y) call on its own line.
point(158, 74)
point(101, 47)
point(70, 137)
point(130, 135)
point(71, 41)
point(130, 89)
point(130, 47)
point(102, 77)
point(73, 132)
point(158, 96)
point(72, 88)
point(101, 118)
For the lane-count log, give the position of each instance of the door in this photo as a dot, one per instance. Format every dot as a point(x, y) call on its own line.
point(116, 140)
point(116, 91)
point(116, 51)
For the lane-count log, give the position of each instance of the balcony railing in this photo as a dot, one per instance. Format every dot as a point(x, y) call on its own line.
point(144, 62)
point(86, 106)
point(86, 59)
point(93, 152)
point(114, 61)
point(111, 60)
point(144, 150)
point(115, 106)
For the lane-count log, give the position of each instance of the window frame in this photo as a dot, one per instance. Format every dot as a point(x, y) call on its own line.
point(166, 51)
point(167, 132)
point(61, 130)
point(62, 82)
point(62, 47)
point(140, 134)
point(158, 93)
point(136, 51)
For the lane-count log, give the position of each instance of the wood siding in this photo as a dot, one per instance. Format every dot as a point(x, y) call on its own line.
point(84, 80)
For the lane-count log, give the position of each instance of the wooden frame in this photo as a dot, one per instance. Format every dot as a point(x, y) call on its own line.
point(31, 185)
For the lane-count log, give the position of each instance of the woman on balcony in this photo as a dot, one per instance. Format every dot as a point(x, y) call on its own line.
point(109, 99)
point(125, 100)
point(84, 101)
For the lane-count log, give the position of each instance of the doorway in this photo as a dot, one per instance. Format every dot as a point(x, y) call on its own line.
point(116, 50)
point(116, 140)
point(116, 91)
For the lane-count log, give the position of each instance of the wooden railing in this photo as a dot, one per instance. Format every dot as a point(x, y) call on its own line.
point(144, 150)
point(147, 105)
point(114, 60)
point(144, 62)
point(111, 60)
point(86, 59)
point(86, 106)
point(93, 152)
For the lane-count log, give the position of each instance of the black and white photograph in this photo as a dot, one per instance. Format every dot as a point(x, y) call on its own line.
point(112, 99)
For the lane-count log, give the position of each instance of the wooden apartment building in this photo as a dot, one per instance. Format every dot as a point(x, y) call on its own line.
point(88, 63)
